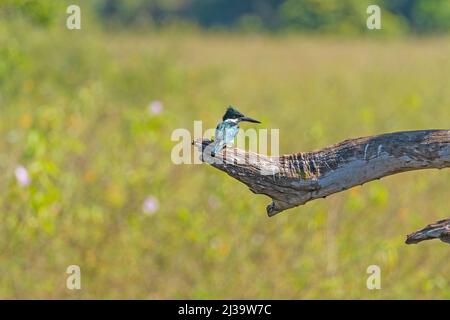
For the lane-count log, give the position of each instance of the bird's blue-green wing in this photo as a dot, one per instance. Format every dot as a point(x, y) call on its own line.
point(219, 135)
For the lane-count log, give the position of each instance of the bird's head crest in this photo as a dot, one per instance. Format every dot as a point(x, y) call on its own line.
point(232, 113)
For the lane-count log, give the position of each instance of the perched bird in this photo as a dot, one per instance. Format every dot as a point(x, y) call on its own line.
point(437, 230)
point(228, 128)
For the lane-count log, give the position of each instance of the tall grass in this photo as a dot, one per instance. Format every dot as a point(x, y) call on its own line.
point(74, 113)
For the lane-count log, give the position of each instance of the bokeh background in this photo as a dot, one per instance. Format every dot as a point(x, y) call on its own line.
point(86, 118)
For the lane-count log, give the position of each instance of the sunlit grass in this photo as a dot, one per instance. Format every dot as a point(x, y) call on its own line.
point(76, 113)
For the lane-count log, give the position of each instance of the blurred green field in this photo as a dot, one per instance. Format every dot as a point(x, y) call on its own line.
point(75, 113)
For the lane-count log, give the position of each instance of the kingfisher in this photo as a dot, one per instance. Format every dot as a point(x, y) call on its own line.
point(228, 128)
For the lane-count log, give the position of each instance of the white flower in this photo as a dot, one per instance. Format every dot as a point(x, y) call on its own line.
point(150, 205)
point(22, 176)
point(155, 107)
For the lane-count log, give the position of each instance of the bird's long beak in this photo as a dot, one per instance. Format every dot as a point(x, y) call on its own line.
point(248, 119)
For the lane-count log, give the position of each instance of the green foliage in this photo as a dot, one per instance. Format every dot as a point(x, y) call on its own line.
point(74, 113)
point(432, 16)
point(330, 16)
point(345, 17)
point(317, 15)
point(42, 12)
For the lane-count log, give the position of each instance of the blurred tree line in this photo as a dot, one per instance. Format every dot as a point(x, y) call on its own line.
point(336, 16)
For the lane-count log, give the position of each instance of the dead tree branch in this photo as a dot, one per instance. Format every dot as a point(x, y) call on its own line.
point(438, 230)
point(294, 179)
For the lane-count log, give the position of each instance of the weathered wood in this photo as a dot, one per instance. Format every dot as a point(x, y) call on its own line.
point(292, 180)
point(438, 230)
